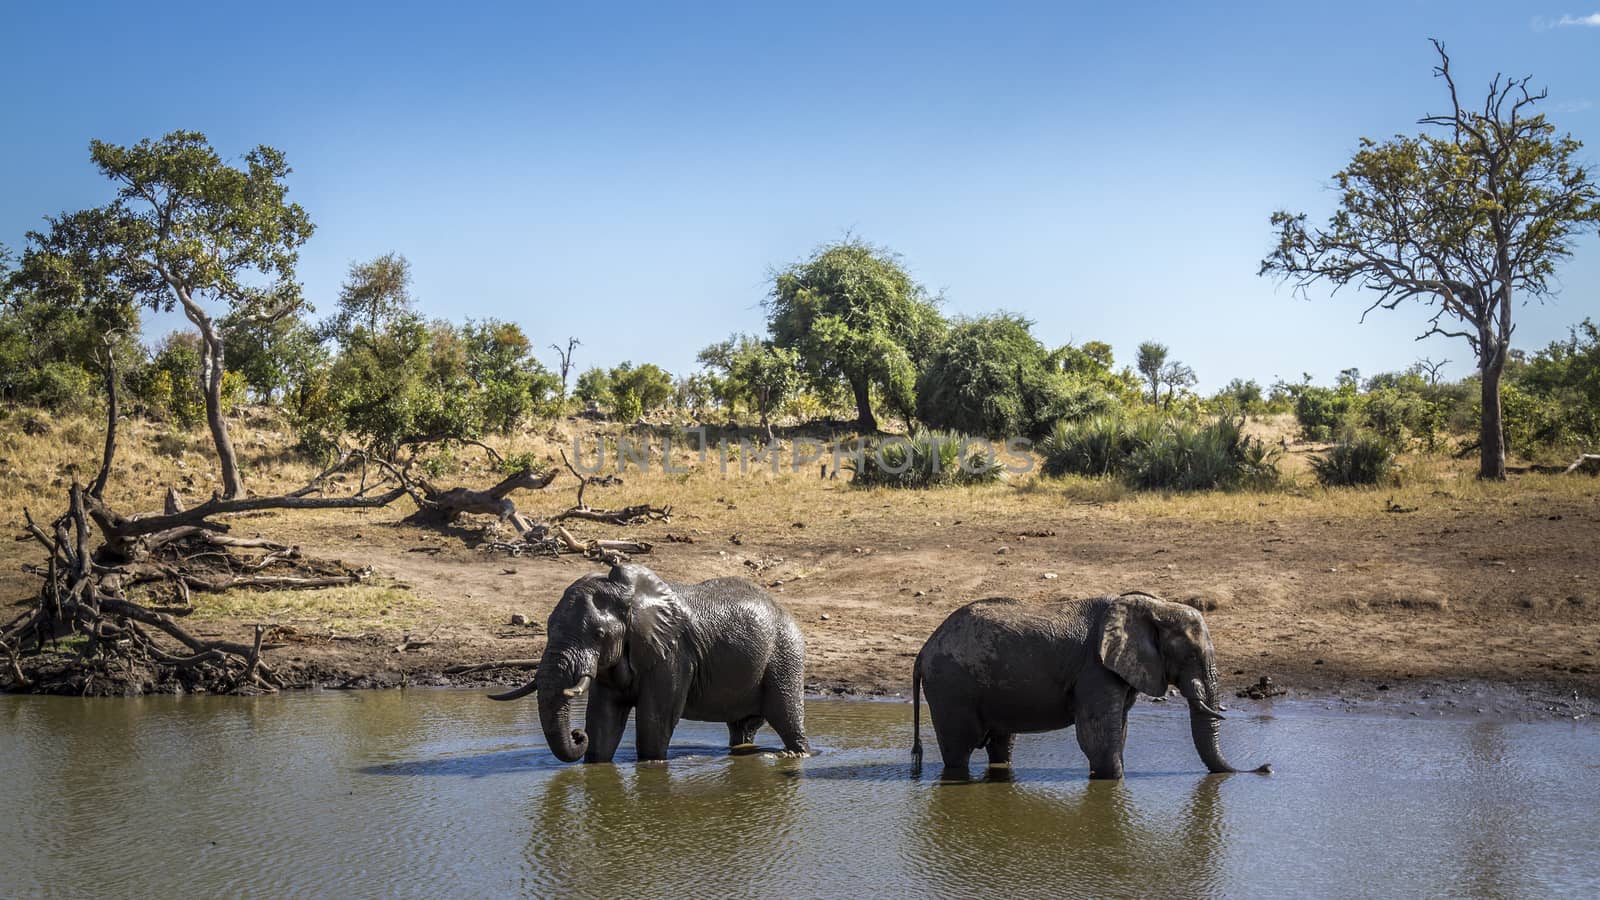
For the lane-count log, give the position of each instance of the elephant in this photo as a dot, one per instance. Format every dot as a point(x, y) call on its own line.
point(719, 651)
point(1000, 667)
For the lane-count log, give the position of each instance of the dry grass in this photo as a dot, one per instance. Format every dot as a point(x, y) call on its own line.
point(350, 609)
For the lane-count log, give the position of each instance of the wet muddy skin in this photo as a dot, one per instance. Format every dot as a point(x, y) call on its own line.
point(443, 793)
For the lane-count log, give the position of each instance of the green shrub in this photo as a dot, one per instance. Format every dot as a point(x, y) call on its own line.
point(991, 376)
point(1398, 416)
point(1200, 457)
point(1361, 460)
point(626, 406)
point(1323, 413)
point(1156, 454)
point(1094, 447)
point(60, 387)
point(926, 459)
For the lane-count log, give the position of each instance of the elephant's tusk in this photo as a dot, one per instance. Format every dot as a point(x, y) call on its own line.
point(1201, 706)
point(583, 685)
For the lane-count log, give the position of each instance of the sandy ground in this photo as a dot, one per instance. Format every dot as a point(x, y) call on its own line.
point(1449, 602)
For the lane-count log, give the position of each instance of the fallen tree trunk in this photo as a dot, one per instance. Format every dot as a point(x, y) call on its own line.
point(447, 505)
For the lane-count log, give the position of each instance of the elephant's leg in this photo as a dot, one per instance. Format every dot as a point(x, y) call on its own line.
point(742, 733)
point(1102, 700)
point(606, 719)
point(959, 733)
point(783, 704)
point(999, 746)
point(655, 716)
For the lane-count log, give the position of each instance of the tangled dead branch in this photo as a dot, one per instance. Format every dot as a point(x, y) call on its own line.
point(628, 515)
point(109, 642)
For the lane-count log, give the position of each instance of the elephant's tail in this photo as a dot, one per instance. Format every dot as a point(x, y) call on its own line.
point(916, 711)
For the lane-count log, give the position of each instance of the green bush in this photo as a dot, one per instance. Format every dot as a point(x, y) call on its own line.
point(1323, 413)
point(1094, 447)
point(926, 459)
point(1399, 415)
point(1200, 457)
point(60, 387)
point(626, 406)
point(1361, 460)
point(991, 376)
point(1156, 454)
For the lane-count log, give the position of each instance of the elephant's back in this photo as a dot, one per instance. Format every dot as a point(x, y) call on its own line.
point(1010, 615)
point(999, 646)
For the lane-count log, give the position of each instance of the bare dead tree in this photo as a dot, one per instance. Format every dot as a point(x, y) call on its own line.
point(1429, 369)
point(566, 360)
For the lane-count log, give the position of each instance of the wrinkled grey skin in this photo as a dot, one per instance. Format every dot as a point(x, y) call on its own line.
point(997, 668)
point(717, 651)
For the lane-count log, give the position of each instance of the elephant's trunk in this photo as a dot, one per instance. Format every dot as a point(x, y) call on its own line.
point(1204, 722)
point(555, 713)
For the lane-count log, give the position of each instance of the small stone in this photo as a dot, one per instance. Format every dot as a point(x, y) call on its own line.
point(519, 619)
point(1051, 576)
point(1002, 551)
point(920, 594)
point(824, 617)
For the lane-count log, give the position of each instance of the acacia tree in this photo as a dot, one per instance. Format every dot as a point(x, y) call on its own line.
point(853, 314)
point(189, 230)
point(1176, 376)
point(1152, 359)
point(1459, 220)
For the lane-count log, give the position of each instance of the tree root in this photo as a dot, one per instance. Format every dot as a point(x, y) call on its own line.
point(85, 594)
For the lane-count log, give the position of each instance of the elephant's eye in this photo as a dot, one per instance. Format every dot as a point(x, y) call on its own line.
point(599, 632)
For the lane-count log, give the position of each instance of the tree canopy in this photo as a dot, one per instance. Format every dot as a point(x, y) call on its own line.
point(1460, 220)
point(186, 230)
point(991, 376)
point(853, 314)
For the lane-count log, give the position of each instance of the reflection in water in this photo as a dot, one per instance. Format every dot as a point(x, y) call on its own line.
point(713, 827)
point(442, 793)
point(1009, 836)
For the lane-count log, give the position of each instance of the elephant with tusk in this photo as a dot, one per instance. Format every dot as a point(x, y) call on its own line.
point(717, 651)
point(1000, 667)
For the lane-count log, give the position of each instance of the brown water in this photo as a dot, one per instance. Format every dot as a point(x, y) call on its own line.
point(444, 793)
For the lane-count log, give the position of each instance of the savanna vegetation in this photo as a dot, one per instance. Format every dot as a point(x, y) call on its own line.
point(1466, 219)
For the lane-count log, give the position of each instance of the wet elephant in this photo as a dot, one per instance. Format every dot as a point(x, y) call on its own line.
point(718, 651)
point(999, 667)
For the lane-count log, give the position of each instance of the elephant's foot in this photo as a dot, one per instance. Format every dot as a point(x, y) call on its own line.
point(792, 754)
point(745, 749)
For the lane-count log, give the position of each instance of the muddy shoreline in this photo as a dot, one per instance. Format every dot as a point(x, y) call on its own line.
point(366, 669)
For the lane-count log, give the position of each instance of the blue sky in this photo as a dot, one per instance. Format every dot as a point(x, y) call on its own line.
point(630, 175)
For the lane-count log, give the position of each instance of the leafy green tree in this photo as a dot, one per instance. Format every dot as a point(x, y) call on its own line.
point(991, 376)
point(65, 327)
point(1557, 402)
point(512, 384)
point(279, 359)
point(853, 314)
point(1152, 360)
point(649, 384)
point(594, 386)
point(375, 295)
point(1240, 396)
point(755, 372)
point(188, 230)
point(1460, 220)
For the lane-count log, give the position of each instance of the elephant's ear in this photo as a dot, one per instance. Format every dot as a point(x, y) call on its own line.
point(655, 615)
point(1128, 647)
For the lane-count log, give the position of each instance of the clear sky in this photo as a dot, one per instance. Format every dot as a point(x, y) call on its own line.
point(631, 175)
